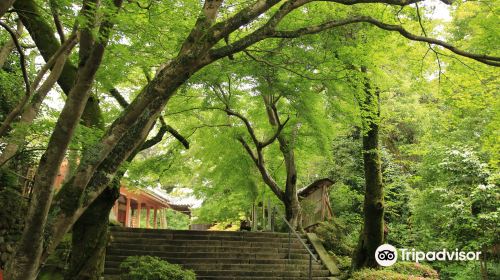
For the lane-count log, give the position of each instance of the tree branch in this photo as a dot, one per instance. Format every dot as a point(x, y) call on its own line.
point(119, 98)
point(248, 149)
point(163, 128)
point(259, 163)
point(268, 31)
point(57, 21)
point(22, 57)
point(486, 59)
point(176, 134)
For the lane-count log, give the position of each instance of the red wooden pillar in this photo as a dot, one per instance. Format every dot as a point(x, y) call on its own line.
point(154, 218)
point(161, 219)
point(127, 212)
point(138, 215)
point(116, 208)
point(147, 216)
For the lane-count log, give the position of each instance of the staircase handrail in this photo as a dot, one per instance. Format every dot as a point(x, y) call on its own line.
point(311, 255)
point(291, 229)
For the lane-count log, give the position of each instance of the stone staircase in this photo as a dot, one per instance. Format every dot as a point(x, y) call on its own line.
point(216, 254)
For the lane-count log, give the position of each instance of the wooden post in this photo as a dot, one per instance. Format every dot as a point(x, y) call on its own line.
point(269, 222)
point(147, 216)
point(160, 213)
point(127, 212)
point(116, 208)
point(154, 218)
point(138, 214)
point(254, 217)
point(165, 217)
point(263, 214)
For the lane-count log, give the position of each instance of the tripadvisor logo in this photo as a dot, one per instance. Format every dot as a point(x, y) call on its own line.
point(387, 255)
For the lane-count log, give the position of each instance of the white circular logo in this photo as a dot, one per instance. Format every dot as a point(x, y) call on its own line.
point(386, 255)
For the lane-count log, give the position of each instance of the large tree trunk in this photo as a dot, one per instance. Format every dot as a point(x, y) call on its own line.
point(89, 237)
point(92, 227)
point(372, 234)
point(25, 263)
point(290, 199)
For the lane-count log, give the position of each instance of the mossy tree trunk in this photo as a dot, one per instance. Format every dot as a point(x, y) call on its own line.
point(372, 234)
point(90, 236)
point(92, 227)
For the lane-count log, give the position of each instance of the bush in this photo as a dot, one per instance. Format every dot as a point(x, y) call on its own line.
point(399, 271)
point(416, 269)
point(372, 274)
point(334, 235)
point(153, 268)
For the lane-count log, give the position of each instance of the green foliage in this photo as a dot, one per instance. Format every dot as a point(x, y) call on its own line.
point(439, 119)
point(399, 271)
point(468, 271)
point(176, 220)
point(153, 268)
point(336, 237)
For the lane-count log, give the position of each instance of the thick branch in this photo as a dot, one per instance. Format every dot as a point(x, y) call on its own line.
point(490, 60)
point(268, 32)
point(259, 158)
point(164, 127)
point(258, 144)
point(259, 163)
point(390, 2)
point(205, 20)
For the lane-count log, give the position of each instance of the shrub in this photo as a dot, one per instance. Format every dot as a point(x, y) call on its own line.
point(153, 268)
point(416, 269)
point(335, 237)
point(399, 271)
point(372, 274)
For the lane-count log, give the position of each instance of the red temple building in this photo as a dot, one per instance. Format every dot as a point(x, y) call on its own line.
point(150, 204)
point(131, 204)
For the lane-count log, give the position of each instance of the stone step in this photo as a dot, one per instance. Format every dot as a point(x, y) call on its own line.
point(261, 278)
point(200, 232)
point(205, 249)
point(168, 236)
point(219, 255)
point(292, 273)
point(246, 267)
point(168, 255)
point(117, 258)
point(116, 277)
point(243, 273)
point(250, 242)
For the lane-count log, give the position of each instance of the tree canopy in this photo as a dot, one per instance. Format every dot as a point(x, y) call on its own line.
point(395, 101)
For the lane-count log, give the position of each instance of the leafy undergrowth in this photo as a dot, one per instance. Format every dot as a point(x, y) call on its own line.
point(400, 271)
point(147, 267)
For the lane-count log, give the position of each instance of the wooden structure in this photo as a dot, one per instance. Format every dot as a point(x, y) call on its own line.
point(131, 205)
point(316, 195)
point(314, 200)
